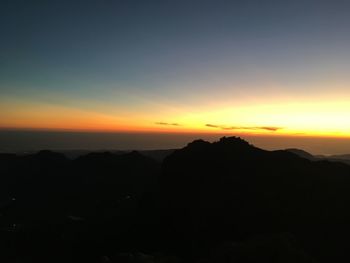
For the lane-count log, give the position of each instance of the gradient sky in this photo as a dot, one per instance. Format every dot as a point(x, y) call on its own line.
point(252, 67)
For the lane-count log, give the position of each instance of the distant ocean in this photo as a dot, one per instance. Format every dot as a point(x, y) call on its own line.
point(22, 141)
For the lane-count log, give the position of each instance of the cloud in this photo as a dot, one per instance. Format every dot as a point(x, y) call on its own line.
point(224, 127)
point(269, 128)
point(212, 126)
point(167, 123)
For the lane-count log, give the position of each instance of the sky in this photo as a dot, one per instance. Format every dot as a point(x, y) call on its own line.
point(251, 67)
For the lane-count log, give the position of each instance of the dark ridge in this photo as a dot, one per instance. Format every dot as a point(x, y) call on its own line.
point(341, 156)
point(332, 158)
point(301, 153)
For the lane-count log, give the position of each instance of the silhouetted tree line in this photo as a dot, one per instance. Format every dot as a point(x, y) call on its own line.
point(220, 202)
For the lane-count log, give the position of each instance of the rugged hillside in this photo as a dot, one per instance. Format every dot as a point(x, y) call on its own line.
point(230, 190)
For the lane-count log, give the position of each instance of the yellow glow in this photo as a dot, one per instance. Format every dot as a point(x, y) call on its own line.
point(307, 118)
point(320, 117)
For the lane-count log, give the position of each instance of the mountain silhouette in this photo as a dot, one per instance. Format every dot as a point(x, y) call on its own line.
point(226, 201)
point(216, 191)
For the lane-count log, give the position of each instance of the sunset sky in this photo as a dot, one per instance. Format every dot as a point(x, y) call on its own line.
point(250, 67)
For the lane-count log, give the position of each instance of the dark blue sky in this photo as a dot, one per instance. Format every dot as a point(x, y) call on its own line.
point(135, 63)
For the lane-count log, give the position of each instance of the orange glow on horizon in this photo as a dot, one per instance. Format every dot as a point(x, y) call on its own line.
point(282, 117)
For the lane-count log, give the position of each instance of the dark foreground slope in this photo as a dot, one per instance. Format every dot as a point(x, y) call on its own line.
point(209, 202)
point(53, 209)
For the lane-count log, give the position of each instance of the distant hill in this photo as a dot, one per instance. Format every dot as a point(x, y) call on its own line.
point(344, 158)
point(160, 155)
point(157, 155)
point(301, 153)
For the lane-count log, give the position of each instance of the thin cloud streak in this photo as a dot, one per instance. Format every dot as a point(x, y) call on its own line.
point(167, 123)
point(223, 127)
